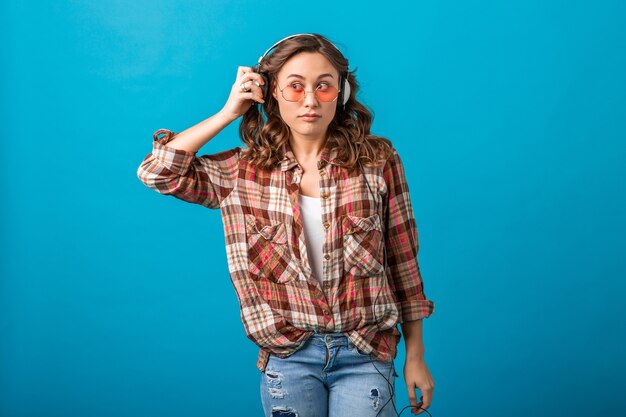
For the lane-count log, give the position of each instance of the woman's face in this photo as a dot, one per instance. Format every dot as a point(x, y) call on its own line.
point(308, 71)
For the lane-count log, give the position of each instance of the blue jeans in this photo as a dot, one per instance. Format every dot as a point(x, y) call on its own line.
point(328, 377)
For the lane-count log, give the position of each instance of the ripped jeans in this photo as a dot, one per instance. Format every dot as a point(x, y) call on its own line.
point(328, 377)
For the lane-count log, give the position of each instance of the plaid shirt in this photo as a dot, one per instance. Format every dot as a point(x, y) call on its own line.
point(282, 304)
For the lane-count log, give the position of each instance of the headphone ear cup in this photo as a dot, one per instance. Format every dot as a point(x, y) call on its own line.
point(345, 91)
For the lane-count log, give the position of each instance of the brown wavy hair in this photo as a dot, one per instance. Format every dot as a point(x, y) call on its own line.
point(264, 132)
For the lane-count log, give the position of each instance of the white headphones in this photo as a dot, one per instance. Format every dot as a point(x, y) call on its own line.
point(344, 91)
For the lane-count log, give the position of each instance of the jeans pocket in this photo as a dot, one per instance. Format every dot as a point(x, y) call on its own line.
point(356, 351)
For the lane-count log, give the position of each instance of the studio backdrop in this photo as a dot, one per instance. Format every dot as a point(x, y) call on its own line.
point(510, 118)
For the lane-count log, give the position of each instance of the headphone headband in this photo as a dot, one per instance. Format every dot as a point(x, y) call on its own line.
point(289, 37)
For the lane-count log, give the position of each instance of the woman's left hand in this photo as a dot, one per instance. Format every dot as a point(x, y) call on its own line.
point(417, 375)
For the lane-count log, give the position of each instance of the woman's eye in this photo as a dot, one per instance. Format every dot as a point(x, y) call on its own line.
point(296, 86)
point(323, 86)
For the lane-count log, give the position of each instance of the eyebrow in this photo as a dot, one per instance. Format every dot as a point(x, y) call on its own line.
point(302, 78)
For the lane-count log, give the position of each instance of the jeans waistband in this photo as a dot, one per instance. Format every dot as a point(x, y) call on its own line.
point(331, 340)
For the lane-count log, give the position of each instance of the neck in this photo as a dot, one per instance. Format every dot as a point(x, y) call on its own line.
point(305, 148)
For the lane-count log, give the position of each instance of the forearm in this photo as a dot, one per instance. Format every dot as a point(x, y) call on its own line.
point(195, 137)
point(412, 332)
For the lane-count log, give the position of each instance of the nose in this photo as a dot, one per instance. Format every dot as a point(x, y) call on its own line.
point(310, 99)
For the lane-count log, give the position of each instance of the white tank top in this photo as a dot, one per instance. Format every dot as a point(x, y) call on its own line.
point(311, 211)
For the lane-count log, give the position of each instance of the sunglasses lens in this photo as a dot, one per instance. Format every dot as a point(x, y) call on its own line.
point(325, 94)
point(291, 93)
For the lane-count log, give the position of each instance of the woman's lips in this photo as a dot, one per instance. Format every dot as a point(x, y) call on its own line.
point(309, 117)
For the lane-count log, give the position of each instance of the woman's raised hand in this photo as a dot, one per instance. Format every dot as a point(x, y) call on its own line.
point(245, 91)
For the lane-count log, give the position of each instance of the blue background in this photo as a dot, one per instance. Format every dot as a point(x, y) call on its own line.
point(509, 116)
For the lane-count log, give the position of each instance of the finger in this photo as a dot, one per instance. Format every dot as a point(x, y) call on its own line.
point(242, 70)
point(251, 86)
point(243, 86)
point(251, 76)
point(250, 95)
point(254, 86)
point(412, 399)
point(419, 407)
point(427, 397)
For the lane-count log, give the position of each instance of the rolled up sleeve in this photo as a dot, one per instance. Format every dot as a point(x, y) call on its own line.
point(206, 180)
point(402, 245)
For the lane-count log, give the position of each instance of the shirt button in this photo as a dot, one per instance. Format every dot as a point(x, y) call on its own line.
point(327, 256)
point(326, 226)
point(324, 195)
point(322, 172)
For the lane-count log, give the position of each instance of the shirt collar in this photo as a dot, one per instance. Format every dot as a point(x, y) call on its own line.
point(327, 156)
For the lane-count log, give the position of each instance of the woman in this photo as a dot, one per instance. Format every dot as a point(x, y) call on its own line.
point(320, 235)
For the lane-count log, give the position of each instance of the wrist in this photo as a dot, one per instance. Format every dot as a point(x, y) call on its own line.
point(414, 350)
point(226, 117)
point(414, 356)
